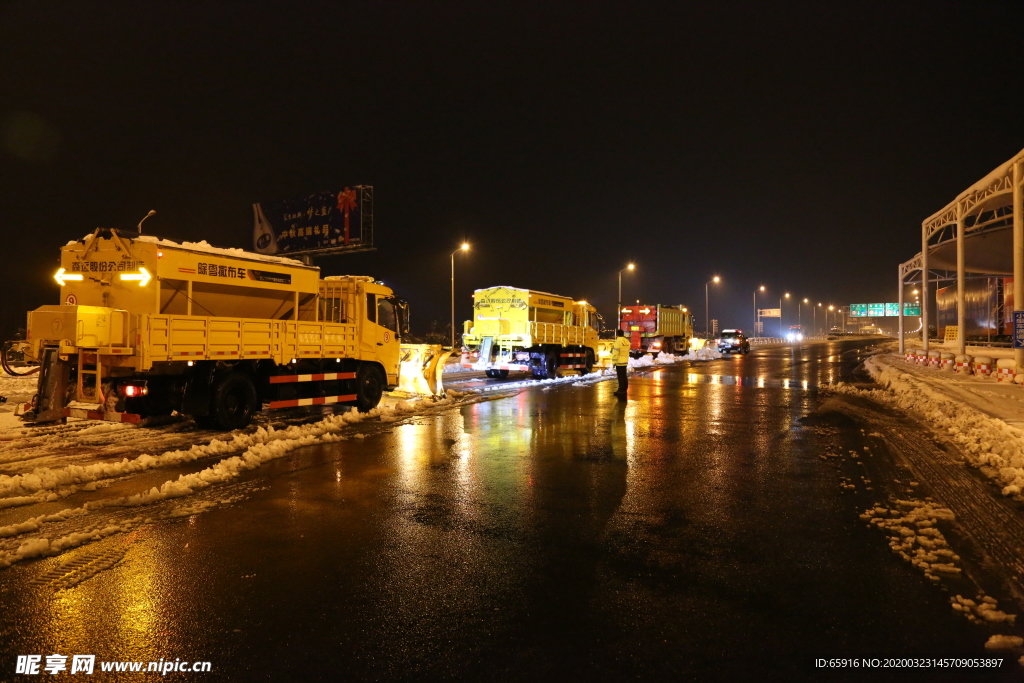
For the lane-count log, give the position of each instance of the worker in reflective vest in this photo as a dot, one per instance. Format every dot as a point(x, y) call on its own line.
point(620, 359)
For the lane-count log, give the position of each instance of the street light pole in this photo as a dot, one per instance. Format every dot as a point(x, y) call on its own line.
point(757, 318)
point(618, 310)
point(782, 332)
point(707, 315)
point(464, 247)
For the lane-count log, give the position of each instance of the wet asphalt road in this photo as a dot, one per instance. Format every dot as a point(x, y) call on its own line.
point(691, 533)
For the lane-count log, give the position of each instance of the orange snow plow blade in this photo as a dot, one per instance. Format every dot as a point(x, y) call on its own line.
point(421, 368)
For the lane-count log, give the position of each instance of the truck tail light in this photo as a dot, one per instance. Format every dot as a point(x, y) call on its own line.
point(133, 389)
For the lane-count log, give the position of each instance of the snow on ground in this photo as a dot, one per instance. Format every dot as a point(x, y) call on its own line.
point(1004, 643)
point(16, 390)
point(983, 417)
point(46, 464)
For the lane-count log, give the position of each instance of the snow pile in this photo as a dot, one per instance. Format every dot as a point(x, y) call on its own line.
point(706, 353)
point(49, 484)
point(911, 526)
point(981, 610)
point(662, 358)
point(259, 447)
point(1004, 643)
point(989, 443)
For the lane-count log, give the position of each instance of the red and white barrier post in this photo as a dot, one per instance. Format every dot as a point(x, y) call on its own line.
point(982, 366)
point(1006, 369)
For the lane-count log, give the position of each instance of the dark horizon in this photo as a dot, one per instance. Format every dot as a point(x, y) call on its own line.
point(796, 146)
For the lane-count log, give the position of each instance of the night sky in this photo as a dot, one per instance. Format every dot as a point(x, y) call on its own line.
point(793, 145)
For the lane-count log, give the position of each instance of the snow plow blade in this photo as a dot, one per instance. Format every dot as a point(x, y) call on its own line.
point(421, 369)
point(604, 354)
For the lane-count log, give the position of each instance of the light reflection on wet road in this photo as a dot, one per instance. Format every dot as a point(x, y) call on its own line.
point(691, 532)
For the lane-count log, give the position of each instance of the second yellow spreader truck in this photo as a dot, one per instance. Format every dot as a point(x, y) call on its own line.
point(521, 329)
point(147, 326)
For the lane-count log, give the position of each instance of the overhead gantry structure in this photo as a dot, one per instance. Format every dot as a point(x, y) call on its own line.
point(979, 232)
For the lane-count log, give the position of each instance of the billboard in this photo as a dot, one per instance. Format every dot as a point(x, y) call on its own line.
point(322, 223)
point(769, 312)
point(887, 310)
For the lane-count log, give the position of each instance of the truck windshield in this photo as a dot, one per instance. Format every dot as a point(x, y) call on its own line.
point(386, 316)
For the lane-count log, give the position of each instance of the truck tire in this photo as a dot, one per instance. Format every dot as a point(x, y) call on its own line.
point(501, 374)
point(491, 373)
point(233, 401)
point(551, 365)
point(369, 388)
point(589, 363)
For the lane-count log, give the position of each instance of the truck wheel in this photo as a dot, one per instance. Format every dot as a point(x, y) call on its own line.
point(537, 366)
point(234, 401)
point(589, 363)
point(501, 374)
point(491, 373)
point(369, 388)
point(551, 365)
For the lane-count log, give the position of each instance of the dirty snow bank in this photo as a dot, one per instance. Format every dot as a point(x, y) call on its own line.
point(649, 360)
point(49, 484)
point(989, 444)
point(259, 447)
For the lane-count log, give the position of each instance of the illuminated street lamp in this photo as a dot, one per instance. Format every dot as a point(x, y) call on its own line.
point(781, 331)
point(464, 247)
point(798, 319)
point(618, 310)
point(831, 308)
point(816, 317)
point(707, 316)
point(757, 318)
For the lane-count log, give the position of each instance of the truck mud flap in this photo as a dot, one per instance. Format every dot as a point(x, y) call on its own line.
point(196, 400)
point(52, 389)
point(421, 369)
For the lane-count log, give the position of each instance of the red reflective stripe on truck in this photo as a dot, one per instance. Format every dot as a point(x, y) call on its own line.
point(282, 379)
point(321, 400)
point(86, 414)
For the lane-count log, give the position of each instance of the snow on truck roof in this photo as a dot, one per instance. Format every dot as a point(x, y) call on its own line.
point(524, 289)
point(205, 247)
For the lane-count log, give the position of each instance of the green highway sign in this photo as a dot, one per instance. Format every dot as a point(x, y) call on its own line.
point(889, 310)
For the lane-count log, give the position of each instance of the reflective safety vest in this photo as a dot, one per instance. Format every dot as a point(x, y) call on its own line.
point(620, 351)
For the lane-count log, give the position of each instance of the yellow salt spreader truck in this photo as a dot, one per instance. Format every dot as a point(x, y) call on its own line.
point(522, 329)
point(147, 326)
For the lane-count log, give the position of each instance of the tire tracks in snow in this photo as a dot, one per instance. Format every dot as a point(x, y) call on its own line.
point(988, 522)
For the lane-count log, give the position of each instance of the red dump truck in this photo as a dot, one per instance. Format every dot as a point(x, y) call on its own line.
point(657, 328)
